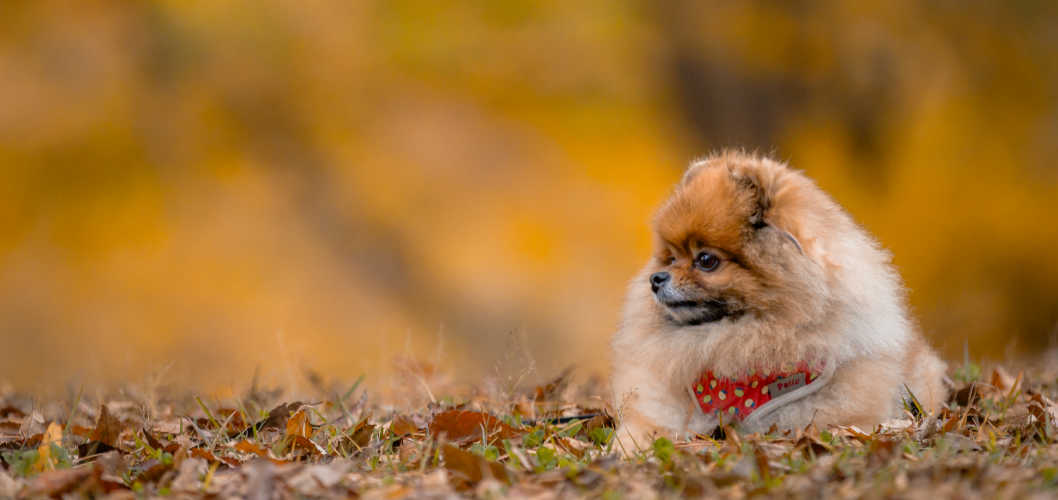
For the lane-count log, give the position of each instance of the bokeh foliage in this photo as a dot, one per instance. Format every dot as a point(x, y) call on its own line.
point(218, 186)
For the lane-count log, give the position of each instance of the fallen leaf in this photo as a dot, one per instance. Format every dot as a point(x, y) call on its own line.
point(468, 469)
point(81, 431)
point(56, 482)
point(307, 445)
point(572, 446)
point(762, 463)
point(550, 390)
point(52, 436)
point(93, 448)
point(357, 437)
point(103, 438)
point(234, 419)
point(32, 424)
point(152, 470)
point(1045, 413)
point(298, 425)
point(967, 395)
point(1002, 380)
point(277, 418)
point(853, 431)
point(465, 426)
point(166, 426)
point(108, 428)
point(211, 458)
point(153, 441)
point(248, 447)
point(882, 450)
point(896, 425)
point(958, 442)
point(810, 443)
point(402, 426)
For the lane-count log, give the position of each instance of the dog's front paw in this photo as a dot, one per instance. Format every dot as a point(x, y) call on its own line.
point(631, 440)
point(635, 435)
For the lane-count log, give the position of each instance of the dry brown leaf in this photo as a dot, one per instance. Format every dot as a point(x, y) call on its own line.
point(246, 446)
point(278, 416)
point(82, 431)
point(468, 469)
point(572, 446)
point(551, 389)
point(466, 426)
point(1002, 380)
point(762, 463)
point(108, 428)
point(234, 419)
point(152, 441)
point(952, 423)
point(306, 445)
point(11, 412)
point(152, 470)
point(56, 482)
point(211, 458)
point(104, 437)
point(1049, 407)
point(967, 395)
point(854, 432)
point(298, 425)
point(402, 426)
point(810, 444)
point(357, 437)
point(882, 450)
point(166, 426)
point(32, 424)
point(10, 428)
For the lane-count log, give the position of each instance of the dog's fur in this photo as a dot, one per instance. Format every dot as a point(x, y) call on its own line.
point(798, 279)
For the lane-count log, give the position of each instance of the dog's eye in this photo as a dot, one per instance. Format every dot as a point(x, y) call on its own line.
point(707, 262)
point(668, 260)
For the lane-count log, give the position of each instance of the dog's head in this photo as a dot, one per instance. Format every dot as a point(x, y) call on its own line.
point(730, 245)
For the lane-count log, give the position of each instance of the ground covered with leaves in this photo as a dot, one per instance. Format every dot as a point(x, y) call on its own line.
point(994, 438)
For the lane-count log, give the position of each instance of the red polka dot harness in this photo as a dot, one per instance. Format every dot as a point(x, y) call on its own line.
point(735, 399)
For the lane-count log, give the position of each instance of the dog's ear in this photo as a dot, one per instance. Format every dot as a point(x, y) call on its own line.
point(754, 190)
point(758, 187)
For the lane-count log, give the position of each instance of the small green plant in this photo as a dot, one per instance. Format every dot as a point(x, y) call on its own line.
point(25, 463)
point(968, 372)
point(533, 439)
point(490, 452)
point(61, 456)
point(570, 430)
point(1049, 476)
point(601, 436)
point(664, 450)
point(545, 458)
point(21, 461)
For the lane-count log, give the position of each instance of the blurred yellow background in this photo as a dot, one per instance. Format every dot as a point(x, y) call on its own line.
point(199, 190)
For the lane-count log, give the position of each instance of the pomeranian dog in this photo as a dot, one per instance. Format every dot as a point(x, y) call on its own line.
point(764, 304)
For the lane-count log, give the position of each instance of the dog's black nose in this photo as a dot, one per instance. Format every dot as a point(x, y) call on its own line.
point(658, 279)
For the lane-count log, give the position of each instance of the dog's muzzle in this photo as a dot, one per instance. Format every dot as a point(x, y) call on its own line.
point(685, 310)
